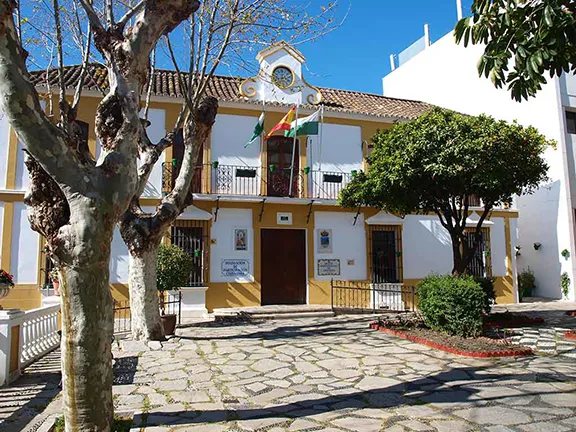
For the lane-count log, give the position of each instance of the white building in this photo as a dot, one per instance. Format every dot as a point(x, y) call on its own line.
point(445, 74)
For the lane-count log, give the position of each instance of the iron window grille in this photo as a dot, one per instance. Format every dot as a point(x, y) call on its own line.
point(481, 264)
point(192, 237)
point(386, 253)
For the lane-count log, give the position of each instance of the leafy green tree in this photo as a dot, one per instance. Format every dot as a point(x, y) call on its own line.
point(524, 39)
point(438, 162)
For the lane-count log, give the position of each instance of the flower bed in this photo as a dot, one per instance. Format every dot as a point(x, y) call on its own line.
point(570, 335)
point(471, 347)
point(510, 319)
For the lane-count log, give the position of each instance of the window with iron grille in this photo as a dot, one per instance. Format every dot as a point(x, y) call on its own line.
point(190, 236)
point(480, 264)
point(386, 253)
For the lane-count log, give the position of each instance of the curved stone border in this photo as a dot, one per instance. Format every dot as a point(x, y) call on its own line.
point(571, 334)
point(446, 348)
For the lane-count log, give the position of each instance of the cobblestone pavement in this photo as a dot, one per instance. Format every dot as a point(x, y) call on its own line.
point(547, 338)
point(26, 398)
point(335, 375)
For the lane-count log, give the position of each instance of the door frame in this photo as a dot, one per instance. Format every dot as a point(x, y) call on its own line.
point(306, 256)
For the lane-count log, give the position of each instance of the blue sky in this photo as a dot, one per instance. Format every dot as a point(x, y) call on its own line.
point(356, 56)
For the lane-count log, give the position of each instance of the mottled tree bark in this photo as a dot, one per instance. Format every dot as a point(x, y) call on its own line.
point(145, 319)
point(142, 232)
point(75, 203)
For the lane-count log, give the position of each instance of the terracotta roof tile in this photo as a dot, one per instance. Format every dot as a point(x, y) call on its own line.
point(226, 88)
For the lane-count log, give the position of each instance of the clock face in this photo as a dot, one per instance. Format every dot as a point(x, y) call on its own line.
point(282, 77)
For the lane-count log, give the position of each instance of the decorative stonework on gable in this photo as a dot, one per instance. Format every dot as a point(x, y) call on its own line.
point(280, 78)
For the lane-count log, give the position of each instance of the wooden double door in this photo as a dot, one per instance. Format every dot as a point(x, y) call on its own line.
point(283, 265)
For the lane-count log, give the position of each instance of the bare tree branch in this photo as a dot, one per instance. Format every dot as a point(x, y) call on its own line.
point(92, 16)
point(130, 14)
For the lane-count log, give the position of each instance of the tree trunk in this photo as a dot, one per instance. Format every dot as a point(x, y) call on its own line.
point(459, 265)
point(87, 330)
point(144, 306)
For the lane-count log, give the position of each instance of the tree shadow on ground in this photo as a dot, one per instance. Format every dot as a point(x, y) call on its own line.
point(32, 392)
point(125, 369)
point(471, 385)
point(326, 327)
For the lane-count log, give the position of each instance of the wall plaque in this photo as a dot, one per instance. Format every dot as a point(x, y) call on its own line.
point(235, 268)
point(329, 267)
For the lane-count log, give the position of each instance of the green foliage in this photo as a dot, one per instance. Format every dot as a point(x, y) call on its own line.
point(523, 41)
point(436, 162)
point(453, 305)
point(487, 284)
point(418, 166)
point(174, 267)
point(526, 283)
point(565, 283)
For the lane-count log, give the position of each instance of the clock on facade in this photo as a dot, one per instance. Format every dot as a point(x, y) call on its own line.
point(282, 77)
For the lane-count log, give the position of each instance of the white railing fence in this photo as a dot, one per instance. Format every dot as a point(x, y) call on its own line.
point(25, 337)
point(387, 296)
point(39, 333)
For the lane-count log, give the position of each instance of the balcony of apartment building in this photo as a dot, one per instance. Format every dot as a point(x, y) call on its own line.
point(270, 180)
point(279, 171)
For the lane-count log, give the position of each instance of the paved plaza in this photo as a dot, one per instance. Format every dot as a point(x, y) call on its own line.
point(334, 374)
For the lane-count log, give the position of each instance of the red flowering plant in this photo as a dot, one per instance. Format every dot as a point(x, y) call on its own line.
point(6, 278)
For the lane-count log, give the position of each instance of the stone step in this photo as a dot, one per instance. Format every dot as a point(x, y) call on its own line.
point(272, 310)
point(293, 315)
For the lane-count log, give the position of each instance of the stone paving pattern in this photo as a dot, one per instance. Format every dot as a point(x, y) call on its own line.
point(334, 374)
point(25, 399)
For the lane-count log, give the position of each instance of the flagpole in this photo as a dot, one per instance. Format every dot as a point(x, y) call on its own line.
point(320, 139)
point(262, 141)
point(293, 152)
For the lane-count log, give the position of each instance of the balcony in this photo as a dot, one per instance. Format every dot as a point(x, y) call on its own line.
point(240, 180)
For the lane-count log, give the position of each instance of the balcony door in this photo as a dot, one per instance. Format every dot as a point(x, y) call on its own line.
point(279, 163)
point(178, 156)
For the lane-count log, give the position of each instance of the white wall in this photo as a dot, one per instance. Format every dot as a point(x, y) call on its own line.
point(223, 249)
point(348, 243)
point(340, 152)
point(445, 74)
point(156, 131)
point(498, 247)
point(119, 260)
point(229, 136)
point(426, 247)
point(4, 142)
point(24, 248)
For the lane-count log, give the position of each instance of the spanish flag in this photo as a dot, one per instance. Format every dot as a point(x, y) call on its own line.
point(285, 124)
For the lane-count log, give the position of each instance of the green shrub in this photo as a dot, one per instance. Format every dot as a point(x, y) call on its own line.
point(487, 284)
point(526, 283)
point(173, 269)
point(453, 305)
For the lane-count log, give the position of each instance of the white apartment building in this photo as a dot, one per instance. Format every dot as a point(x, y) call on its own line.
point(445, 74)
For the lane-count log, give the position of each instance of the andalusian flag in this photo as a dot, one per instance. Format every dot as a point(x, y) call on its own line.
point(305, 126)
point(284, 124)
point(258, 129)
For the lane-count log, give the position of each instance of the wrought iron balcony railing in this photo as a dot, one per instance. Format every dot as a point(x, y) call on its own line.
point(170, 174)
point(328, 184)
point(260, 181)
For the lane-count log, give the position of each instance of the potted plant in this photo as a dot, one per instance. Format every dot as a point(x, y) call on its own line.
point(6, 283)
point(55, 278)
point(172, 272)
